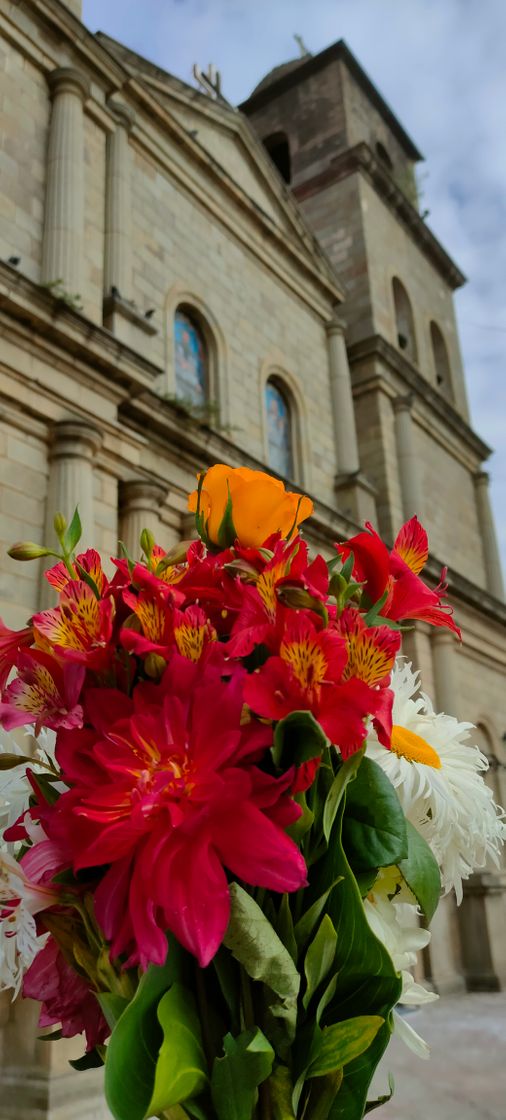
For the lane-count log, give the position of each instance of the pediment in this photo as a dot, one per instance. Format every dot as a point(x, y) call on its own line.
point(234, 149)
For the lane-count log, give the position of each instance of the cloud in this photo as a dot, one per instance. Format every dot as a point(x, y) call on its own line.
point(441, 68)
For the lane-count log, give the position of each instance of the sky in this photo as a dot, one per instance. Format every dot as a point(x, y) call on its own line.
point(441, 66)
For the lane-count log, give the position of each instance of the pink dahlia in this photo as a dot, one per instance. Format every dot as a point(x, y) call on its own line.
point(174, 797)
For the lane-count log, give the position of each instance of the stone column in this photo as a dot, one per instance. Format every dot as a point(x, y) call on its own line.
point(62, 248)
point(118, 224)
point(140, 503)
point(342, 400)
point(355, 495)
point(72, 453)
point(492, 560)
point(444, 658)
point(409, 474)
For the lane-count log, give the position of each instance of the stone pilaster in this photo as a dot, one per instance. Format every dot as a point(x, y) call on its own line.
point(342, 400)
point(140, 502)
point(491, 557)
point(409, 472)
point(72, 453)
point(356, 496)
point(444, 658)
point(62, 249)
point(118, 217)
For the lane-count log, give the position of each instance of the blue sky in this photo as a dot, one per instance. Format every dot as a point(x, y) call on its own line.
point(441, 66)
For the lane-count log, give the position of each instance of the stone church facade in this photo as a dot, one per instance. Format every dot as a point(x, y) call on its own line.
point(183, 282)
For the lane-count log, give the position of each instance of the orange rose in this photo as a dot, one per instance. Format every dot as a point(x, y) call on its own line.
point(238, 503)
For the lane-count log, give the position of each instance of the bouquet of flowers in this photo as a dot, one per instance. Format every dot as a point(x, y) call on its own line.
point(236, 812)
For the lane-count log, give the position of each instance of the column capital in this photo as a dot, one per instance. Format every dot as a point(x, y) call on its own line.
point(141, 494)
point(441, 636)
point(481, 478)
point(74, 439)
point(66, 79)
point(404, 403)
point(335, 325)
point(122, 113)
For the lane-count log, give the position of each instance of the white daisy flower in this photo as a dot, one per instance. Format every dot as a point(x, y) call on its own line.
point(396, 926)
point(439, 780)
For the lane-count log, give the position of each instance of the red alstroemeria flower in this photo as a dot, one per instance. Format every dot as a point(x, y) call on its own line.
point(397, 573)
point(192, 632)
point(65, 996)
point(309, 675)
point(262, 616)
point(371, 649)
point(44, 693)
point(153, 613)
point(178, 801)
point(11, 642)
point(91, 563)
point(80, 627)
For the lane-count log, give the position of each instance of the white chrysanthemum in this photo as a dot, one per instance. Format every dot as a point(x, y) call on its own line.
point(396, 926)
point(19, 942)
point(439, 780)
point(14, 786)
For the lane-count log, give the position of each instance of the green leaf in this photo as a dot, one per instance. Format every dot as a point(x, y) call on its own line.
point(374, 826)
point(366, 980)
point(91, 1060)
point(307, 922)
point(421, 872)
point(280, 1094)
point(235, 1077)
point(366, 880)
point(9, 761)
point(255, 944)
point(73, 534)
point(112, 1006)
point(336, 1046)
point(301, 826)
point(297, 738)
point(328, 995)
point(319, 958)
point(346, 773)
point(134, 1044)
point(181, 1070)
point(285, 928)
point(322, 1093)
point(227, 532)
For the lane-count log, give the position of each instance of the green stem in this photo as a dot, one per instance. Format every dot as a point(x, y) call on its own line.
point(247, 1001)
point(207, 1042)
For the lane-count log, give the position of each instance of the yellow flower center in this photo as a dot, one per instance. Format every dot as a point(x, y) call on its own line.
point(407, 744)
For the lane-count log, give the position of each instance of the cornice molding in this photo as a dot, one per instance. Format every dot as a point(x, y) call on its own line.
point(375, 346)
point(362, 159)
point(45, 318)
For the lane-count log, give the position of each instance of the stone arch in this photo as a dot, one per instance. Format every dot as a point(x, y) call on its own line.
point(274, 370)
point(441, 361)
point(404, 321)
point(180, 298)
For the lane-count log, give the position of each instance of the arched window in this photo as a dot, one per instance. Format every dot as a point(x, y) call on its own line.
point(483, 740)
point(191, 359)
point(383, 155)
point(279, 150)
point(404, 322)
point(280, 433)
point(441, 361)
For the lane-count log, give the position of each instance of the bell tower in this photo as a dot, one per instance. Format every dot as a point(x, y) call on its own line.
point(352, 168)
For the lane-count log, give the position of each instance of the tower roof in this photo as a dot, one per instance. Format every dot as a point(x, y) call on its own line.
point(290, 73)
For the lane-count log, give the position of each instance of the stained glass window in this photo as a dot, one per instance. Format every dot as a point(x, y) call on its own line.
point(190, 360)
point(279, 431)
